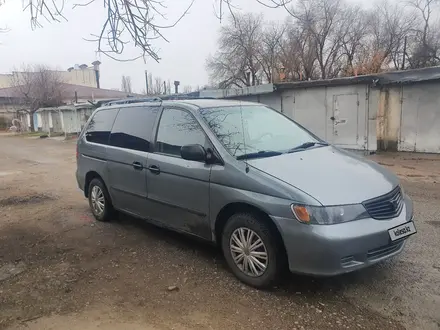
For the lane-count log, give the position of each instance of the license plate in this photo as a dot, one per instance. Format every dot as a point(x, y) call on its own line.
point(401, 231)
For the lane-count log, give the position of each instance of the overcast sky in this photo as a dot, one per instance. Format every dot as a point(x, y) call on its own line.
point(61, 45)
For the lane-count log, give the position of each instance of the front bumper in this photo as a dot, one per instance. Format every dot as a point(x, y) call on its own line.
point(326, 250)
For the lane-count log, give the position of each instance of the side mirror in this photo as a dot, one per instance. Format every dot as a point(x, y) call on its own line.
point(193, 152)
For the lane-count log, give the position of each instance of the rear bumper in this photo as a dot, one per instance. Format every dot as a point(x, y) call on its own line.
point(336, 249)
point(79, 180)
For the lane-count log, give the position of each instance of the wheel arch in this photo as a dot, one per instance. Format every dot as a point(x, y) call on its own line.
point(89, 177)
point(240, 207)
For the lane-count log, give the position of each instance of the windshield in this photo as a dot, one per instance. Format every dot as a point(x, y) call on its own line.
point(255, 129)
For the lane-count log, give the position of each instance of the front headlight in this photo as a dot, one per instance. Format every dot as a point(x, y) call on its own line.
point(328, 215)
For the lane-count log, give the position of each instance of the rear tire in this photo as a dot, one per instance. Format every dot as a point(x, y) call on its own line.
point(252, 250)
point(99, 201)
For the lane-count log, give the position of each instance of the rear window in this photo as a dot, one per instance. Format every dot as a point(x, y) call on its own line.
point(133, 128)
point(100, 126)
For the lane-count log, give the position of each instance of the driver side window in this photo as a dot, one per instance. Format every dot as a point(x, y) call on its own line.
point(176, 129)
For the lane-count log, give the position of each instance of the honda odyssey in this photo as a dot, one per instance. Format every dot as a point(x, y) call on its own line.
point(247, 178)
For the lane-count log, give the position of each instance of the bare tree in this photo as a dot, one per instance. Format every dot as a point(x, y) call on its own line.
point(270, 49)
point(389, 24)
point(425, 44)
point(340, 35)
point(298, 54)
point(37, 86)
point(322, 20)
point(158, 86)
point(136, 22)
point(355, 34)
point(126, 84)
point(237, 60)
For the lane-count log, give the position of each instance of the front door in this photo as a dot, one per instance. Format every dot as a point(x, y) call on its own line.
point(345, 120)
point(127, 157)
point(178, 189)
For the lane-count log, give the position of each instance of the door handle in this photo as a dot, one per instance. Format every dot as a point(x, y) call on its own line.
point(154, 169)
point(137, 166)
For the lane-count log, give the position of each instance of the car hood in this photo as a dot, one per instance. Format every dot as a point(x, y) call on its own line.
point(330, 175)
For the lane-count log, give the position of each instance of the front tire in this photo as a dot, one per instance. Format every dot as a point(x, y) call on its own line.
point(252, 250)
point(99, 201)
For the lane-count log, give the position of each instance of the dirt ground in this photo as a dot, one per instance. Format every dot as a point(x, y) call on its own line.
point(61, 270)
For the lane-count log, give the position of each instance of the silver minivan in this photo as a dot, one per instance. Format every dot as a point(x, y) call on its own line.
point(241, 175)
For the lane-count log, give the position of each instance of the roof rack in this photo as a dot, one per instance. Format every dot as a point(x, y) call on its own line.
point(154, 99)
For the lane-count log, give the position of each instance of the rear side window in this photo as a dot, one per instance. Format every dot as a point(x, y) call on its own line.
point(133, 128)
point(176, 129)
point(100, 126)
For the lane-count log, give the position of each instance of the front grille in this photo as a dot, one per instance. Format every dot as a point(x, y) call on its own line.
point(384, 250)
point(386, 206)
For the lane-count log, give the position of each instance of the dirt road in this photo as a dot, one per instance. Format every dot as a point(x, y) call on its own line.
point(61, 270)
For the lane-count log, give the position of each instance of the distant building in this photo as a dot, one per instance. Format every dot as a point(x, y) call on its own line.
point(12, 105)
point(82, 75)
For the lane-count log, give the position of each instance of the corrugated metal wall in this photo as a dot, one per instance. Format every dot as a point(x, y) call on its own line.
point(339, 115)
point(70, 121)
point(45, 125)
point(57, 122)
point(388, 117)
point(420, 118)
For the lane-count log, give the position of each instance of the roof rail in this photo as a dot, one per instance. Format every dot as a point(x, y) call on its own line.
point(154, 99)
point(134, 100)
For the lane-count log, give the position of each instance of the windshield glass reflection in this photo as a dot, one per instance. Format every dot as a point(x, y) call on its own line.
point(255, 130)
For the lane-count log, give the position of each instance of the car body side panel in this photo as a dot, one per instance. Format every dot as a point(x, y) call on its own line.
point(231, 184)
point(179, 195)
point(92, 157)
point(128, 186)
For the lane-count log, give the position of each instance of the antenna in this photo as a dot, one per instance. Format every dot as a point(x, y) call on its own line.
point(244, 139)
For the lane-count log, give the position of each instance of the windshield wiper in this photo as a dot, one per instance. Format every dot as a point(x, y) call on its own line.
point(259, 154)
point(307, 145)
